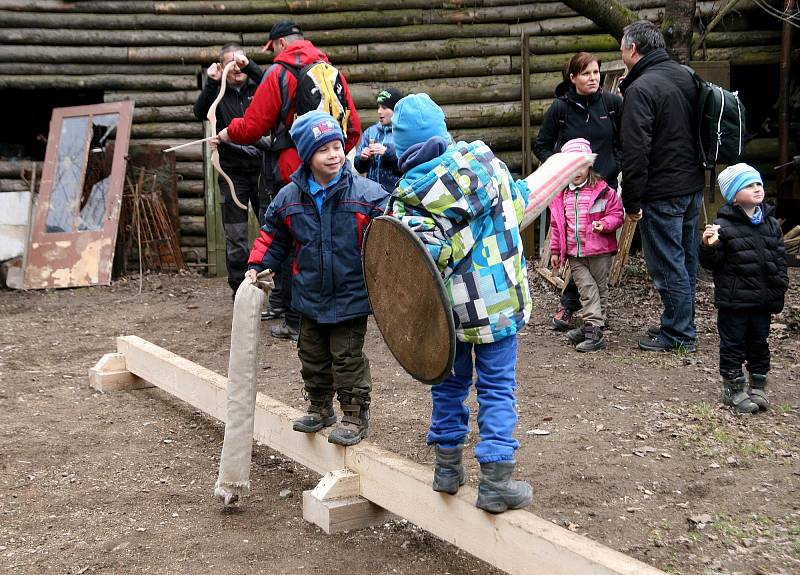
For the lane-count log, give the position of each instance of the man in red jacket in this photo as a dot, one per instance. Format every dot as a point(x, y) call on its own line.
point(271, 112)
point(272, 109)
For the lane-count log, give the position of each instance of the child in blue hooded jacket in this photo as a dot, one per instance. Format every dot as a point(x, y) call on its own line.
point(466, 208)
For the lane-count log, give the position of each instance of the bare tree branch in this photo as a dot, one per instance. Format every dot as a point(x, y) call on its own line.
point(611, 15)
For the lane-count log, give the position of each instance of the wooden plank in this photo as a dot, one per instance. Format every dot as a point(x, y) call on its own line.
point(206, 390)
point(512, 541)
point(547, 275)
point(623, 251)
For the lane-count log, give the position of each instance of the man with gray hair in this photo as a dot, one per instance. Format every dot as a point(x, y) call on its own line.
point(663, 178)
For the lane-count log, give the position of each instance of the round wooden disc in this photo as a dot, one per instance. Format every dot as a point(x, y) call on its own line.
point(409, 300)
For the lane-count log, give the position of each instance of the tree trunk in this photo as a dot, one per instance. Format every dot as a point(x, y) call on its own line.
point(499, 88)
point(154, 98)
point(610, 15)
point(677, 28)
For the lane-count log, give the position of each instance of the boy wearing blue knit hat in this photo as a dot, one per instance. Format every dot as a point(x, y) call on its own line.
point(465, 206)
point(321, 217)
point(744, 250)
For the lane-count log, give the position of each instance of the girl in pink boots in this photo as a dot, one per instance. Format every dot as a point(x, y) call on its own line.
point(584, 219)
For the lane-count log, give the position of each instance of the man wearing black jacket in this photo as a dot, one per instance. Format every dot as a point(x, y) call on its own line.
point(663, 178)
point(242, 163)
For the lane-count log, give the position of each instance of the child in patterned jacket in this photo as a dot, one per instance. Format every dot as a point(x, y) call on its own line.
point(584, 219)
point(466, 208)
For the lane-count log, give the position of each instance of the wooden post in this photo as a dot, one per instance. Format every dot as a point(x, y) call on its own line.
point(335, 504)
point(528, 243)
point(215, 235)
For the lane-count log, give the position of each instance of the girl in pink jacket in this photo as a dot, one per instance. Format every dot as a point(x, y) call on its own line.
point(584, 219)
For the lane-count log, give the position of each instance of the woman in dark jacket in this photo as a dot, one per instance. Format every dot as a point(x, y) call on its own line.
point(582, 110)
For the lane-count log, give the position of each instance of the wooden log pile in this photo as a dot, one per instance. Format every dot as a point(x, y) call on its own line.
point(465, 53)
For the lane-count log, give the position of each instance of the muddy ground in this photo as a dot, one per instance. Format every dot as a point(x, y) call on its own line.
point(640, 455)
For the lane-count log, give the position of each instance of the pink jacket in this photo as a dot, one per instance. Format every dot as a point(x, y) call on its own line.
point(602, 205)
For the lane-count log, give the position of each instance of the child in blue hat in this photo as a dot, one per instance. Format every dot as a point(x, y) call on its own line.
point(466, 208)
point(744, 250)
point(320, 217)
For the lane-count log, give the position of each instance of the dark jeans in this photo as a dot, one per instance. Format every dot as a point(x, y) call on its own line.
point(570, 298)
point(743, 338)
point(234, 221)
point(670, 240)
point(333, 361)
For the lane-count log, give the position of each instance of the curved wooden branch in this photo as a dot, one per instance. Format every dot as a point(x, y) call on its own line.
point(212, 118)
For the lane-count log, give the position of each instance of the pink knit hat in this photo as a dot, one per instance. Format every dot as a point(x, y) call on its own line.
point(577, 145)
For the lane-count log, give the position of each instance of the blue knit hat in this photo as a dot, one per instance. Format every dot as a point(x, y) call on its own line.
point(313, 130)
point(417, 119)
point(733, 178)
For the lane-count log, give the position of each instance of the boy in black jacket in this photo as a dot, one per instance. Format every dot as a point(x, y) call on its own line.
point(744, 249)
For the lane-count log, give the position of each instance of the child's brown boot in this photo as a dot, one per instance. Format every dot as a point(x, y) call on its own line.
point(758, 391)
point(355, 423)
point(320, 414)
point(594, 339)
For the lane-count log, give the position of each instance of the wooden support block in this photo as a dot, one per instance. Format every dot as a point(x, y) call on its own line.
point(344, 514)
point(335, 505)
point(336, 484)
point(111, 374)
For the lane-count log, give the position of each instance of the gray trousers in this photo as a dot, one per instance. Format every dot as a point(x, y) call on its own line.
point(591, 277)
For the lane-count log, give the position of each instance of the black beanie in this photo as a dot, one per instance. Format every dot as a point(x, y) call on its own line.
point(389, 97)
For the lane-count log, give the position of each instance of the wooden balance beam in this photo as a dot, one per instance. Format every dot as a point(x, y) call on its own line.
point(517, 542)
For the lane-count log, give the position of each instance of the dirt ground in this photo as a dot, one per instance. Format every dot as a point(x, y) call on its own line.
point(640, 456)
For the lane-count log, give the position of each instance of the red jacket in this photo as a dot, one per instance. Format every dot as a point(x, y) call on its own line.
point(264, 113)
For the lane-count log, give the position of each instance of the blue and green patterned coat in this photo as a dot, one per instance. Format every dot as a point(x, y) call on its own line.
point(466, 207)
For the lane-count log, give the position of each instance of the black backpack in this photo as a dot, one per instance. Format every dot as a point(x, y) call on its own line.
point(720, 122)
point(320, 87)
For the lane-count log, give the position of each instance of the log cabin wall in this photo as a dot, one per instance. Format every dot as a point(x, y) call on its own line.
point(464, 53)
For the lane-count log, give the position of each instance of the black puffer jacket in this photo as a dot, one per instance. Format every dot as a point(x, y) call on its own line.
point(596, 118)
point(748, 261)
point(233, 105)
point(659, 127)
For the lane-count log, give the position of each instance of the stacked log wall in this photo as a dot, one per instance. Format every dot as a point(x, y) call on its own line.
point(465, 53)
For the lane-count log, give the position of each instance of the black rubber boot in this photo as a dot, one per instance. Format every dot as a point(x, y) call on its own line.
point(320, 414)
point(354, 426)
point(758, 391)
point(734, 395)
point(594, 340)
point(448, 475)
point(497, 492)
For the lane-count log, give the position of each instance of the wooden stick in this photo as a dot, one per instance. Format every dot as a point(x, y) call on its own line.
point(173, 148)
